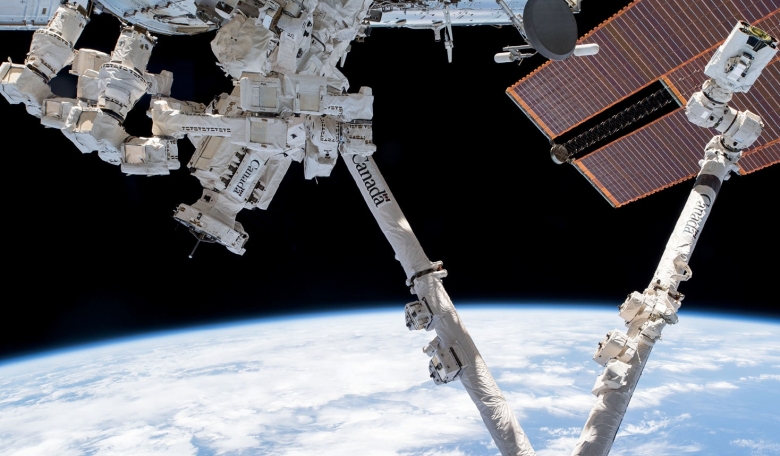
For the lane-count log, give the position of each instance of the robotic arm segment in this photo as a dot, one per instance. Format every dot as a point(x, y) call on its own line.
point(453, 352)
point(20, 84)
point(52, 46)
point(734, 68)
point(122, 80)
point(50, 51)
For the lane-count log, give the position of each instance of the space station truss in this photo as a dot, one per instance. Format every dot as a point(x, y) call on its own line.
point(648, 41)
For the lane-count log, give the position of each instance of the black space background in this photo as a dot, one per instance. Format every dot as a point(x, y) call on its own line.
point(90, 253)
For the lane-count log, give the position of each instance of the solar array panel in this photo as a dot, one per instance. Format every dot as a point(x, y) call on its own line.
point(667, 151)
point(760, 158)
point(650, 159)
point(646, 40)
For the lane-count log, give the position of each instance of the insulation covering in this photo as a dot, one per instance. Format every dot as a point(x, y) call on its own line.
point(306, 91)
point(349, 107)
point(149, 156)
point(88, 86)
point(322, 147)
point(348, 15)
point(214, 214)
point(18, 84)
point(48, 54)
point(261, 94)
point(241, 46)
point(91, 130)
point(68, 22)
point(246, 175)
point(218, 207)
point(133, 49)
point(88, 59)
point(120, 88)
point(294, 42)
point(358, 139)
point(56, 111)
point(52, 47)
point(475, 376)
point(269, 181)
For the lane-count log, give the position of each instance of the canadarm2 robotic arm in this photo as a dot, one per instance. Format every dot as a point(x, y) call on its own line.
point(734, 68)
point(453, 353)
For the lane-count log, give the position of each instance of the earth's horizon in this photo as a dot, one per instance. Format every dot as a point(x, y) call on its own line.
point(355, 382)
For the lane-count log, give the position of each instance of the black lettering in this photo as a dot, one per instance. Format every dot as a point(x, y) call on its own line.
point(374, 192)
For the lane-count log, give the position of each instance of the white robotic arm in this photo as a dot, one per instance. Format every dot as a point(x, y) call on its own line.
point(646, 314)
point(453, 353)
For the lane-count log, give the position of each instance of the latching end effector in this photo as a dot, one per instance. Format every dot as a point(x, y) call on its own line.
point(734, 67)
point(447, 362)
point(738, 62)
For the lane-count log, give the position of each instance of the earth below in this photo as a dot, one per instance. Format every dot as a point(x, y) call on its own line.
point(356, 383)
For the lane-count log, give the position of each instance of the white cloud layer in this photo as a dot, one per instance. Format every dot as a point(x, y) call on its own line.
point(758, 447)
point(652, 424)
point(358, 384)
